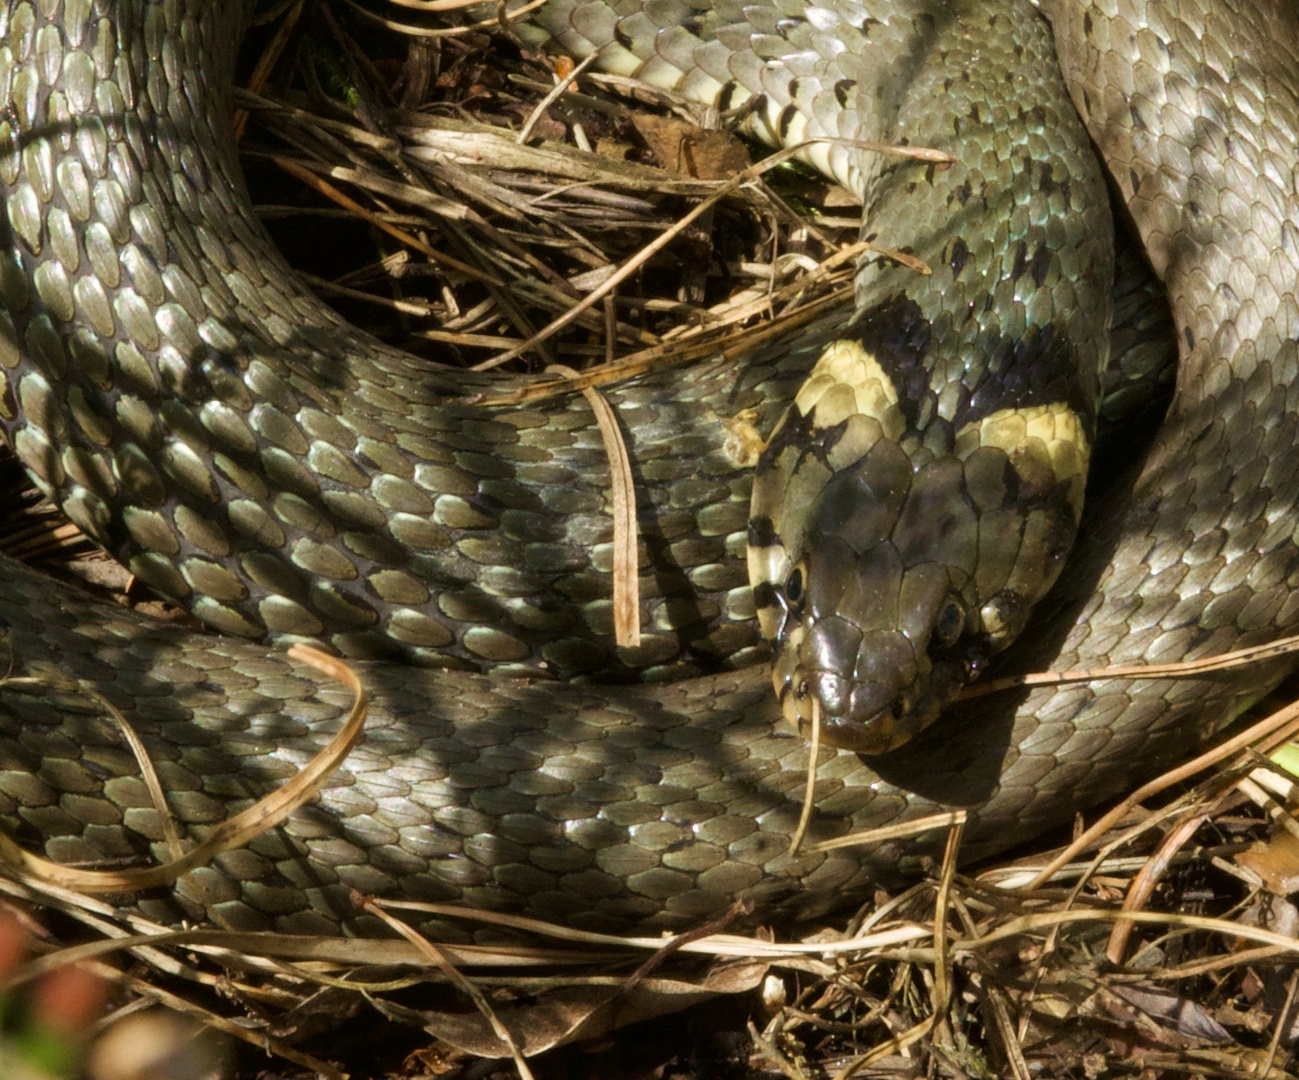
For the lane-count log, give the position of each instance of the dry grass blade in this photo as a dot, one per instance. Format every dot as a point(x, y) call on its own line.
point(403, 306)
point(626, 550)
point(887, 1049)
point(942, 994)
point(809, 792)
point(753, 172)
point(259, 1040)
point(267, 61)
point(900, 831)
point(1144, 884)
point(525, 132)
point(675, 352)
point(1010, 1041)
point(1278, 1029)
point(464, 985)
point(1286, 719)
point(718, 945)
point(1182, 669)
point(330, 192)
point(436, 5)
point(149, 775)
point(774, 1056)
point(233, 832)
point(166, 820)
point(1045, 920)
point(672, 946)
point(1253, 787)
point(453, 31)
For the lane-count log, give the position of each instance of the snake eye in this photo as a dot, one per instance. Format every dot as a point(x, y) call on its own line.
point(951, 621)
point(794, 588)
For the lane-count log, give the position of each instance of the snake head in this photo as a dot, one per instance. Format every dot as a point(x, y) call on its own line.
point(888, 567)
point(879, 648)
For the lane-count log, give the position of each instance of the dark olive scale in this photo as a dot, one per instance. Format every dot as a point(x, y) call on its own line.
point(606, 807)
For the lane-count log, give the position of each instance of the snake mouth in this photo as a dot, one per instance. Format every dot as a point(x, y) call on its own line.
point(865, 717)
point(891, 695)
point(862, 717)
point(857, 725)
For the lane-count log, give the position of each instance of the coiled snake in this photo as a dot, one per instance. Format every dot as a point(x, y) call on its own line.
point(211, 423)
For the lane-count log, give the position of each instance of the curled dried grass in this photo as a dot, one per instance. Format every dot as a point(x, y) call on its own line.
point(237, 831)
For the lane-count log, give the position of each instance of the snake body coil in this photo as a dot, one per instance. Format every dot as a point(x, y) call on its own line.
point(246, 452)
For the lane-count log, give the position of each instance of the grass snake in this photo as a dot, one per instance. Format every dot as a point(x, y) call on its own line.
point(241, 449)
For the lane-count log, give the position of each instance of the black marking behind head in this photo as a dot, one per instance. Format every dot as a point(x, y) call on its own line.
point(1041, 368)
point(898, 335)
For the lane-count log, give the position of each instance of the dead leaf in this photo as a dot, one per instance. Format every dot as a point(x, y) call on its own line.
point(688, 150)
point(326, 1010)
point(577, 1013)
point(1175, 1013)
point(1275, 862)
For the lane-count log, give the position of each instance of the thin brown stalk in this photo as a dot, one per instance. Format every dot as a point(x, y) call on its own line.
point(405, 307)
point(267, 61)
point(258, 1039)
point(451, 31)
point(1277, 814)
point(670, 354)
point(1282, 1019)
point(233, 832)
point(171, 834)
point(148, 774)
point(453, 974)
point(330, 192)
point(809, 792)
point(1284, 718)
point(1146, 880)
point(899, 831)
point(768, 1052)
point(942, 993)
point(1182, 669)
point(436, 5)
point(1214, 964)
point(626, 547)
point(738, 910)
point(1010, 1042)
point(554, 95)
point(888, 1048)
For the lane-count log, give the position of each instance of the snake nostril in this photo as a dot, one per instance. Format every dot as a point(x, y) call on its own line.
point(834, 692)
